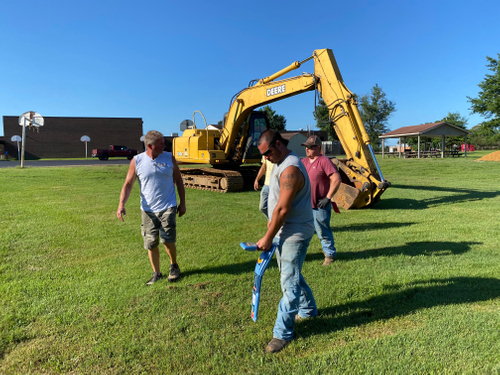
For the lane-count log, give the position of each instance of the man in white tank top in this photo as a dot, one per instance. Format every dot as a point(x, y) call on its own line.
point(158, 175)
point(291, 228)
point(265, 169)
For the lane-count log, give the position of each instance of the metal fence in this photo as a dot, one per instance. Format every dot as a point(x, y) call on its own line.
point(332, 148)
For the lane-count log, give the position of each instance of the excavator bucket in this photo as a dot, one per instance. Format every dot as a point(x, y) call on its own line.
point(346, 196)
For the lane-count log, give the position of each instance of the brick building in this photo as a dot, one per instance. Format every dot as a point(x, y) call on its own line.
point(60, 136)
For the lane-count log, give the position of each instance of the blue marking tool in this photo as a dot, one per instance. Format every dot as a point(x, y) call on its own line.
point(261, 266)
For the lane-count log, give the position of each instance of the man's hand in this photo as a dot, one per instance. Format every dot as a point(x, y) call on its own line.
point(264, 245)
point(121, 213)
point(181, 209)
point(126, 189)
point(323, 202)
point(256, 185)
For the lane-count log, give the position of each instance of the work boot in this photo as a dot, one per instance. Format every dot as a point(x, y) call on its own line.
point(328, 261)
point(276, 345)
point(175, 273)
point(156, 276)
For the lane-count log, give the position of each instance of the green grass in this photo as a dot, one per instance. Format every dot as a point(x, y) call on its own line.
point(47, 159)
point(416, 288)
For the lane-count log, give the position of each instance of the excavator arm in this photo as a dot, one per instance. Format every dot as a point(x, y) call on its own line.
point(362, 180)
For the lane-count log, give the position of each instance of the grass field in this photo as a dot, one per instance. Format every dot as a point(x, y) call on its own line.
point(416, 288)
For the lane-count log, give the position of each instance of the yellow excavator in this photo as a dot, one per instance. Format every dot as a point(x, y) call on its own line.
point(230, 150)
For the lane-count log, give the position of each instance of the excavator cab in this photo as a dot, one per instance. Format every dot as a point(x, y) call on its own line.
point(257, 125)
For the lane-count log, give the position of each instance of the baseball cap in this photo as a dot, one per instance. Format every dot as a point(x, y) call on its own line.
point(313, 140)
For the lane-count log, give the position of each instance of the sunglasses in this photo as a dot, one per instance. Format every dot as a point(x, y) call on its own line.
point(268, 151)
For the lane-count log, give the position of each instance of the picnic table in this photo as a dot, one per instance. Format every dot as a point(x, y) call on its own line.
point(430, 154)
point(453, 153)
point(423, 154)
point(410, 154)
point(393, 154)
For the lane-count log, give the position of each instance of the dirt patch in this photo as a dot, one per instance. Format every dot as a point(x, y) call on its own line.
point(494, 156)
point(201, 285)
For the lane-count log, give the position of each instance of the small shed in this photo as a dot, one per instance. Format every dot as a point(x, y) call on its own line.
point(295, 140)
point(437, 129)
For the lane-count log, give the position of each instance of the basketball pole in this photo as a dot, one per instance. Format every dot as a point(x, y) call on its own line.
point(23, 142)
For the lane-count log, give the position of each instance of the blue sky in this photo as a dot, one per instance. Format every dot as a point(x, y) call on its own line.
point(162, 60)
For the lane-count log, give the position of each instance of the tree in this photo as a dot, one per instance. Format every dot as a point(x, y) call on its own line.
point(375, 110)
point(485, 137)
point(487, 104)
point(323, 121)
point(276, 122)
point(454, 118)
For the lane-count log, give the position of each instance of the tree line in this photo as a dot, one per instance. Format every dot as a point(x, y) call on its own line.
point(487, 104)
point(375, 110)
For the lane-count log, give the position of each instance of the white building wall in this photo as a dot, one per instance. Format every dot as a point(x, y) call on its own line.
point(295, 144)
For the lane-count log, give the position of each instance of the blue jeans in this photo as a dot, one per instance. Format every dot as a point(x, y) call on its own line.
point(322, 218)
point(297, 296)
point(263, 200)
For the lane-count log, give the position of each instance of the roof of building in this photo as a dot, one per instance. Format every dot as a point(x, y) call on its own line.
point(288, 135)
point(435, 129)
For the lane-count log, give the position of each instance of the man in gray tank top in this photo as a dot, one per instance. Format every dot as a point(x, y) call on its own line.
point(291, 228)
point(158, 175)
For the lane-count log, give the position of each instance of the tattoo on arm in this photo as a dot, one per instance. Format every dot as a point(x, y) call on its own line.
point(287, 182)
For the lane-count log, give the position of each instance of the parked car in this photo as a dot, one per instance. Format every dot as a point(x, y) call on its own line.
point(114, 151)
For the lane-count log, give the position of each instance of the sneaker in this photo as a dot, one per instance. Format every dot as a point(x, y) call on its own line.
point(276, 345)
point(156, 276)
point(175, 273)
point(328, 261)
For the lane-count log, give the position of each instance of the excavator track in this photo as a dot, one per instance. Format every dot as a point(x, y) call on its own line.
point(223, 181)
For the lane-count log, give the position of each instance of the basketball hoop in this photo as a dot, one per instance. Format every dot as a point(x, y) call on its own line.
point(85, 138)
point(32, 120)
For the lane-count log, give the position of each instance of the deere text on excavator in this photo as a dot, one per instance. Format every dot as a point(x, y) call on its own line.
point(231, 149)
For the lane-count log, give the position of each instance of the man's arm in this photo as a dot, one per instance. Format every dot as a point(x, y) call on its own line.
point(181, 209)
point(291, 181)
point(126, 190)
point(261, 173)
point(335, 181)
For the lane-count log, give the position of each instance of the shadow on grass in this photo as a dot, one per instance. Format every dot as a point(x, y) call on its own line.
point(458, 196)
point(408, 299)
point(231, 269)
point(426, 248)
point(438, 248)
point(369, 226)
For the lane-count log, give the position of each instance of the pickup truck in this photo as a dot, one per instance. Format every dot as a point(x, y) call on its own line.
point(114, 151)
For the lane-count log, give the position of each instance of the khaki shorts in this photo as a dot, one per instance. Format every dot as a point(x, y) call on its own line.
point(158, 225)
